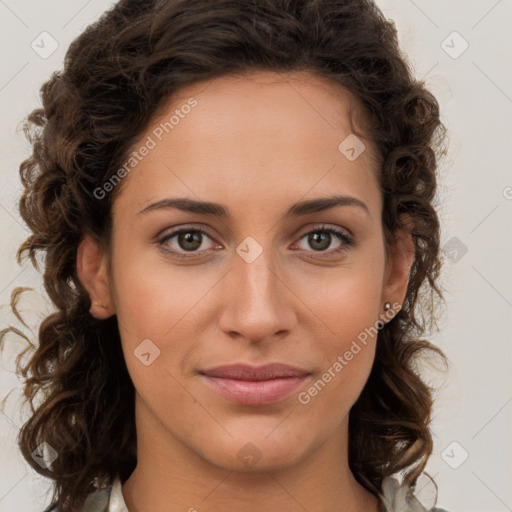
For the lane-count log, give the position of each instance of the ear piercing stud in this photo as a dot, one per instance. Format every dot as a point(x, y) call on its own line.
point(387, 307)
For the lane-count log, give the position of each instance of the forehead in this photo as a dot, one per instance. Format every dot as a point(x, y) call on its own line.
point(261, 134)
point(263, 102)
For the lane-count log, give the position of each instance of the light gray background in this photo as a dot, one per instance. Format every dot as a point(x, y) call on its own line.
point(474, 404)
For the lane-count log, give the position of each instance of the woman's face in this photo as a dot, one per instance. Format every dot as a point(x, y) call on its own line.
point(267, 282)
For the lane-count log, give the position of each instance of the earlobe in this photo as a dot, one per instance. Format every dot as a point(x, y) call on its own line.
point(91, 263)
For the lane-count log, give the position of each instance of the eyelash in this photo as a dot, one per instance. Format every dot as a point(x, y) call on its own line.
point(347, 240)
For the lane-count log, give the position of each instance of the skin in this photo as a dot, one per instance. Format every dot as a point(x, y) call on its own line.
point(256, 144)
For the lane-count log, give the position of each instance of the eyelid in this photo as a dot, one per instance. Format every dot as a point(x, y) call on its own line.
point(320, 226)
point(173, 230)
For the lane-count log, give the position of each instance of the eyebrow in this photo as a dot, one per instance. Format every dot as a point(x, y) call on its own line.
point(218, 210)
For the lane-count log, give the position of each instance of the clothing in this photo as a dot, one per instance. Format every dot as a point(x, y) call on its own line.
point(111, 499)
point(107, 500)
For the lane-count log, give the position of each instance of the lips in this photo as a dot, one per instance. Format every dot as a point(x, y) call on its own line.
point(251, 373)
point(249, 385)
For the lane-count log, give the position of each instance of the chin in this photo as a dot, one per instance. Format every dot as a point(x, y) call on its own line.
point(253, 451)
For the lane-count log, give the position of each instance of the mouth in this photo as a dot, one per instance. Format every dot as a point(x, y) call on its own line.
point(249, 385)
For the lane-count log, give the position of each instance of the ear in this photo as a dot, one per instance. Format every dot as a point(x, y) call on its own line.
point(400, 260)
point(91, 263)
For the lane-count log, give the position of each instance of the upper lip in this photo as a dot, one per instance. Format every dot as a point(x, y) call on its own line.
point(255, 373)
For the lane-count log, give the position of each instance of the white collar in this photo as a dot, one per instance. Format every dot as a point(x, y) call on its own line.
point(107, 500)
point(116, 502)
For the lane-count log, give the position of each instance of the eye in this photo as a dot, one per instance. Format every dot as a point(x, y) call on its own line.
point(321, 239)
point(188, 240)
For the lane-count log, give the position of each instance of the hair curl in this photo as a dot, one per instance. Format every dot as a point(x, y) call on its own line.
point(116, 75)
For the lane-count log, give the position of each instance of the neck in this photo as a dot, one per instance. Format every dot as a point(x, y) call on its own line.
point(171, 477)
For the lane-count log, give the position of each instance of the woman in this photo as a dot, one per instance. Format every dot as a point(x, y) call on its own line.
point(235, 201)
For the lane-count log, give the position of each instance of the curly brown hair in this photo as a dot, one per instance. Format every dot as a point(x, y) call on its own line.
point(116, 75)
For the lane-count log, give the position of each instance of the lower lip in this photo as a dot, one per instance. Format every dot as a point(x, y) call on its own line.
point(261, 392)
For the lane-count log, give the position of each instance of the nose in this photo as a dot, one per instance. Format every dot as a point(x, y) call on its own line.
point(257, 303)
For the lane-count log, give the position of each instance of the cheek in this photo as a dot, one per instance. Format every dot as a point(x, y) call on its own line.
point(348, 307)
point(347, 300)
point(154, 296)
point(347, 353)
point(162, 304)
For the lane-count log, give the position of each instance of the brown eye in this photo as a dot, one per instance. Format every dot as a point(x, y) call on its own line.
point(321, 239)
point(187, 240)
